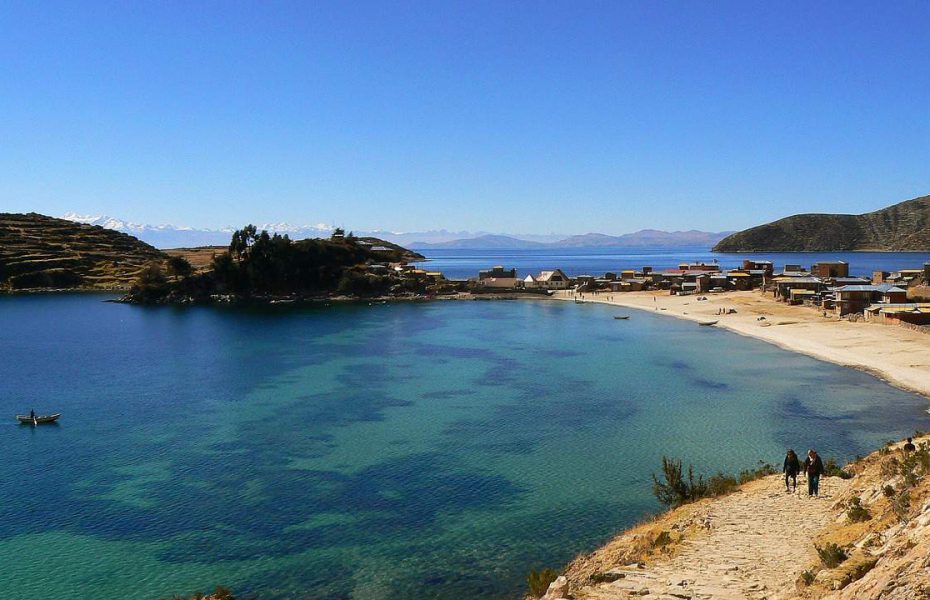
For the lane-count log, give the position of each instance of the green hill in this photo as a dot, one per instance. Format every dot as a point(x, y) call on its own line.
point(39, 252)
point(902, 227)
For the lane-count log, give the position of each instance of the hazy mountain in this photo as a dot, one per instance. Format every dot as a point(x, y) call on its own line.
point(640, 239)
point(902, 227)
point(171, 236)
point(645, 238)
point(488, 241)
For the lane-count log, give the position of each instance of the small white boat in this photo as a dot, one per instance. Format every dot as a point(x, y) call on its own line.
point(707, 323)
point(37, 419)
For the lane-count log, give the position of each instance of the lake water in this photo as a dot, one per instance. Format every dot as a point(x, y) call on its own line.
point(462, 264)
point(375, 452)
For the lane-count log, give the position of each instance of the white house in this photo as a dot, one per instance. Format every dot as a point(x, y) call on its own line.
point(529, 282)
point(553, 280)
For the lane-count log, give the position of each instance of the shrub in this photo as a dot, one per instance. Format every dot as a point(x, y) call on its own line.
point(855, 512)
point(922, 458)
point(662, 540)
point(677, 490)
point(763, 470)
point(909, 468)
point(539, 582)
point(831, 469)
point(888, 491)
point(807, 577)
point(889, 467)
point(831, 555)
point(720, 485)
point(860, 570)
point(901, 505)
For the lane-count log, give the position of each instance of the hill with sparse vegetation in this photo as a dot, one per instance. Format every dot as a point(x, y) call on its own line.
point(40, 253)
point(904, 227)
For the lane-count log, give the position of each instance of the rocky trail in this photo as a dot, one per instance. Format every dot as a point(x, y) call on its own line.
point(756, 543)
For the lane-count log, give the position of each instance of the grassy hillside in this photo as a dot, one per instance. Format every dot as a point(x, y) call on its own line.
point(902, 227)
point(39, 252)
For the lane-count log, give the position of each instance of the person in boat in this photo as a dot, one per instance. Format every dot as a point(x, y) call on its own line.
point(32, 414)
point(791, 468)
point(813, 466)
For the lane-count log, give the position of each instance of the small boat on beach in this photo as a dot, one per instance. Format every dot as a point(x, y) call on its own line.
point(621, 317)
point(707, 323)
point(37, 419)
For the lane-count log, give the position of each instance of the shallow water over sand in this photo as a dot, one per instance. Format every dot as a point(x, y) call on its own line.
point(393, 451)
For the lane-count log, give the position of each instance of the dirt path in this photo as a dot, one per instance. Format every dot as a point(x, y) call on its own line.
point(760, 539)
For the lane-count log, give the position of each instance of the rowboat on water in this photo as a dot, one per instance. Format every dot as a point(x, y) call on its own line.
point(623, 317)
point(37, 419)
point(707, 323)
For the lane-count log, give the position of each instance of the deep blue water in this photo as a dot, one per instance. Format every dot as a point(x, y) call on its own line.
point(394, 451)
point(462, 264)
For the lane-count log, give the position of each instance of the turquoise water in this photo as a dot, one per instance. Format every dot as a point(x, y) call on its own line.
point(392, 451)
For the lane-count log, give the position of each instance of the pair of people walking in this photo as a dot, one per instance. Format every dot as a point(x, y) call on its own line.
point(813, 468)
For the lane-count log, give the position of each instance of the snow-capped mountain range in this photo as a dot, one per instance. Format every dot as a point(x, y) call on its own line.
point(173, 236)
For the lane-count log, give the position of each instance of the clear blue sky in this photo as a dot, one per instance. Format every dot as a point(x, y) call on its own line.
point(502, 116)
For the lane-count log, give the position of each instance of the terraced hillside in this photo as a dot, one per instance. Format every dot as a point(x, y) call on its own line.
point(39, 252)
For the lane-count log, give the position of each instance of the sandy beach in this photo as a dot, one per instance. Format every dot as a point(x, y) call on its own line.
point(897, 355)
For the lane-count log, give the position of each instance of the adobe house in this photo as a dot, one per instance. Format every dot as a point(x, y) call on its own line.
point(895, 314)
point(766, 266)
point(856, 298)
point(784, 285)
point(497, 272)
point(827, 269)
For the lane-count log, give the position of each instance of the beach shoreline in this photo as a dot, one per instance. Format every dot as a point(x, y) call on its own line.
point(895, 355)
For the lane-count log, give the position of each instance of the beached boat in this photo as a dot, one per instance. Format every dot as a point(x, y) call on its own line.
point(623, 317)
point(38, 419)
point(707, 323)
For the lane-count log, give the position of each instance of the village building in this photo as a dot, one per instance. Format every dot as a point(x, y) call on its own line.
point(784, 284)
point(856, 298)
point(827, 269)
point(766, 267)
point(497, 272)
point(896, 314)
point(553, 280)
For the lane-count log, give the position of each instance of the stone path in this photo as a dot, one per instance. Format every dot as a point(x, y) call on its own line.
point(758, 544)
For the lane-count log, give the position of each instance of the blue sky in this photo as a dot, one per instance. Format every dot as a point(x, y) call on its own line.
point(526, 117)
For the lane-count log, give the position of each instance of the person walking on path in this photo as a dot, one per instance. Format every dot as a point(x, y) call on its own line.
point(813, 466)
point(791, 468)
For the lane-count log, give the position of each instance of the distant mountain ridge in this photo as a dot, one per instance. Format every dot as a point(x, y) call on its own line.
point(171, 236)
point(640, 239)
point(902, 227)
